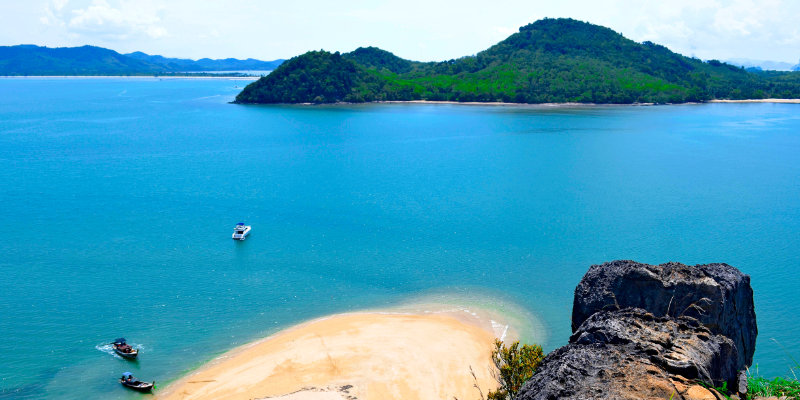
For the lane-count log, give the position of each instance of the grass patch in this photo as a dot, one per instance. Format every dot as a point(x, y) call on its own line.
point(788, 386)
point(777, 387)
point(758, 386)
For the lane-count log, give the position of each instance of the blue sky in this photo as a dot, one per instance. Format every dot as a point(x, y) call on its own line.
point(414, 29)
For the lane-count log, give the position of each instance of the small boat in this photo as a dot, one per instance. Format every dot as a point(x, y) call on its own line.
point(241, 231)
point(130, 382)
point(124, 349)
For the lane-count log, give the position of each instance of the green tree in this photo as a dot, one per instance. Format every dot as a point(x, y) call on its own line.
point(515, 365)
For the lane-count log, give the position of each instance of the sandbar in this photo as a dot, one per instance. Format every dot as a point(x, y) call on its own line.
point(369, 355)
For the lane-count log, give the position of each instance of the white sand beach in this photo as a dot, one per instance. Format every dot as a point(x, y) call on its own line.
point(785, 101)
point(367, 355)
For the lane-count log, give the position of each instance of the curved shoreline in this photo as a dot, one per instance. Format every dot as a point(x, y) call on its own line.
point(532, 105)
point(573, 104)
point(780, 101)
point(363, 355)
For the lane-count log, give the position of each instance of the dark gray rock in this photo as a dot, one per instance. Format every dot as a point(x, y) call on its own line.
point(741, 384)
point(718, 295)
point(644, 331)
point(632, 354)
point(681, 346)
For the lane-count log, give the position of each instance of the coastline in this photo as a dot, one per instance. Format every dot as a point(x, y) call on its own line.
point(460, 103)
point(780, 101)
point(500, 103)
point(364, 355)
point(572, 104)
point(530, 105)
point(238, 78)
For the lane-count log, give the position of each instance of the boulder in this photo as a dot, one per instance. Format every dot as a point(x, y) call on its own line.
point(718, 295)
point(644, 331)
point(632, 354)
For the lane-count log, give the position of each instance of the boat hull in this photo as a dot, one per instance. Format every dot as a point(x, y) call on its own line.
point(144, 387)
point(241, 236)
point(130, 356)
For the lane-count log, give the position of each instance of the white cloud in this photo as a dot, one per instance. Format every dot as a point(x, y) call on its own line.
point(59, 4)
point(741, 18)
point(715, 28)
point(758, 29)
point(118, 19)
point(50, 10)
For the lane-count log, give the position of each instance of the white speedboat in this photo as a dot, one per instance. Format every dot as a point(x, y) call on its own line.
point(241, 231)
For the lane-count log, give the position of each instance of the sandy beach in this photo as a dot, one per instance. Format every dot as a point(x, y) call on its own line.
point(497, 103)
point(353, 356)
point(785, 101)
point(551, 105)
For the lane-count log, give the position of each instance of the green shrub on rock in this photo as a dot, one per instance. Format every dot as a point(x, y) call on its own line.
point(515, 365)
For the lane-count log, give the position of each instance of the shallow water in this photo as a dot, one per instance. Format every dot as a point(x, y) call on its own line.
point(119, 197)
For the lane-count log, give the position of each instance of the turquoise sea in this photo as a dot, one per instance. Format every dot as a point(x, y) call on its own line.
point(118, 198)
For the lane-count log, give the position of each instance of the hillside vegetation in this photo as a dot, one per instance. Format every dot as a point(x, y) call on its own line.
point(551, 60)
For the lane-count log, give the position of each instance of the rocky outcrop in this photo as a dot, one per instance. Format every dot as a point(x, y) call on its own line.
point(642, 331)
point(634, 354)
point(717, 295)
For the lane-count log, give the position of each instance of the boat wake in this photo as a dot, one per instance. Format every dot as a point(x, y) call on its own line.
point(108, 349)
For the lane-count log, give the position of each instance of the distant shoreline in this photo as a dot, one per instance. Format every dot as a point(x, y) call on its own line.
point(782, 101)
point(499, 103)
point(470, 103)
point(240, 78)
point(460, 103)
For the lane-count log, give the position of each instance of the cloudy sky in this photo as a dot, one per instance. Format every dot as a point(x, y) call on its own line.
point(422, 30)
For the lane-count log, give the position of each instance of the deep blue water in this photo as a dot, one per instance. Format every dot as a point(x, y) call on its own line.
point(118, 197)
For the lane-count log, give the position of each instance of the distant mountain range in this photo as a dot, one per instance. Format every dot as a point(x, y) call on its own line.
point(207, 64)
point(31, 60)
point(764, 65)
point(548, 61)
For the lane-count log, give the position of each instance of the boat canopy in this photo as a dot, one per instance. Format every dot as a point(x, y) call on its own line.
point(119, 340)
point(126, 375)
point(240, 223)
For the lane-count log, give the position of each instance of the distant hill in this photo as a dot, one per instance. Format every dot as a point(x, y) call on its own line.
point(207, 64)
point(86, 60)
point(373, 57)
point(761, 64)
point(90, 60)
point(550, 60)
point(317, 76)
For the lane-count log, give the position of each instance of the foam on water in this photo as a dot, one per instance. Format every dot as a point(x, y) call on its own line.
point(491, 310)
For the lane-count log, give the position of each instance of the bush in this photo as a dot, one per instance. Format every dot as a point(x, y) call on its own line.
point(515, 365)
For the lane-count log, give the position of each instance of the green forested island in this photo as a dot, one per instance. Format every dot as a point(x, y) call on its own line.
point(548, 61)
